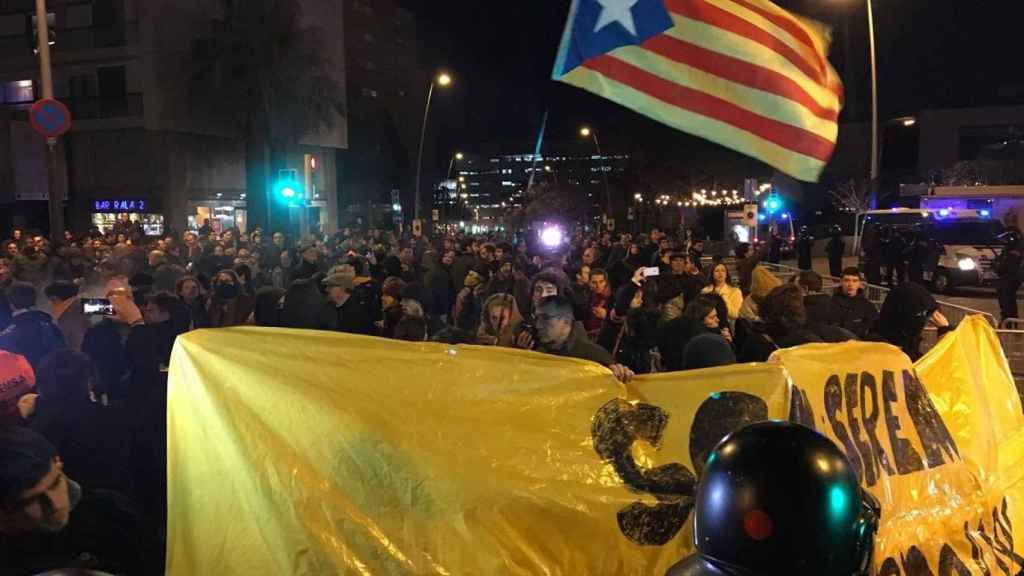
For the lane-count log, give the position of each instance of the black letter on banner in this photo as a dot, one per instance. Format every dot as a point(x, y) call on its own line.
point(976, 552)
point(867, 383)
point(889, 568)
point(988, 541)
point(833, 404)
point(907, 459)
point(800, 410)
point(999, 541)
point(915, 564)
point(617, 425)
point(1004, 525)
point(850, 388)
point(949, 561)
point(717, 417)
point(933, 432)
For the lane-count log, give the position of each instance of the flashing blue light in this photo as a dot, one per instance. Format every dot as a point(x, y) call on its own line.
point(985, 213)
point(944, 212)
point(773, 204)
point(785, 216)
point(762, 217)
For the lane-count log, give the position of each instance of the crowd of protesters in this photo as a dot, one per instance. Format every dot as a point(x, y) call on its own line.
point(83, 396)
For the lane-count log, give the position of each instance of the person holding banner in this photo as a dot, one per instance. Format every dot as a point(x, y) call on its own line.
point(558, 333)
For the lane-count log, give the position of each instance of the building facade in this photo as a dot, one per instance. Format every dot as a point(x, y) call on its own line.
point(385, 93)
point(483, 188)
point(136, 147)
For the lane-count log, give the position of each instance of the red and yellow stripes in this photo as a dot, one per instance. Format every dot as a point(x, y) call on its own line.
point(743, 73)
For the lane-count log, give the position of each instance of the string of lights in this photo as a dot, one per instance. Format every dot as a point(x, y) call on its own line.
point(704, 198)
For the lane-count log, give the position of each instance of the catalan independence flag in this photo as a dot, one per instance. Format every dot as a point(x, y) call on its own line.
point(745, 74)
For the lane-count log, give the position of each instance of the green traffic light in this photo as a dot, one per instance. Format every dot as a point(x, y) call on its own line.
point(288, 191)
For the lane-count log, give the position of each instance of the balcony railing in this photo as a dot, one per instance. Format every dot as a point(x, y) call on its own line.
point(74, 39)
point(127, 106)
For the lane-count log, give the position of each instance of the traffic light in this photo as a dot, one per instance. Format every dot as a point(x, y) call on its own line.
point(287, 188)
point(773, 204)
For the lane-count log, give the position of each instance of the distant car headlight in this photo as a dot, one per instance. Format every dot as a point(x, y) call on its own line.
point(967, 264)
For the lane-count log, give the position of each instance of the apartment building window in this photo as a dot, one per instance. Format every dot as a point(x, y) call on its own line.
point(361, 6)
point(112, 81)
point(17, 92)
point(82, 87)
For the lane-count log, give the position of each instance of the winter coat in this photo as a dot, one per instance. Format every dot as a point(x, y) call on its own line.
point(904, 315)
point(223, 314)
point(32, 334)
point(733, 298)
point(352, 317)
point(855, 314)
point(579, 346)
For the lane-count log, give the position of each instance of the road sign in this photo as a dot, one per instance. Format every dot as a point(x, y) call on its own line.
point(50, 117)
point(750, 215)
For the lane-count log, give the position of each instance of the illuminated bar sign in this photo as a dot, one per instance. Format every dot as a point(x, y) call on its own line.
point(122, 205)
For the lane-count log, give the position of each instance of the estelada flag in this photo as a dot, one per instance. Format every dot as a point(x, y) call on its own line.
point(745, 74)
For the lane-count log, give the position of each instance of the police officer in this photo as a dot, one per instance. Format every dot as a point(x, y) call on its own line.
point(917, 254)
point(804, 247)
point(835, 250)
point(1008, 266)
point(873, 246)
point(778, 498)
point(892, 257)
point(774, 246)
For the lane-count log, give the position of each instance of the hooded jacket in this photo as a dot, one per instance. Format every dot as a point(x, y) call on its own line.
point(506, 335)
point(32, 334)
point(904, 315)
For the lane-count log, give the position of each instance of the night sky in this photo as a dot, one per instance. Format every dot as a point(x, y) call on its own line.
point(932, 53)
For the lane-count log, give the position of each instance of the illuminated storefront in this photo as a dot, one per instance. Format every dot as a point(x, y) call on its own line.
point(222, 214)
point(106, 212)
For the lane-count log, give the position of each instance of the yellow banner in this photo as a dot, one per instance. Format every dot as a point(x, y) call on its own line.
point(938, 444)
point(298, 452)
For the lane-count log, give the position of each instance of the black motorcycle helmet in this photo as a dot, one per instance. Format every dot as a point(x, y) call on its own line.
point(804, 232)
point(779, 498)
point(835, 230)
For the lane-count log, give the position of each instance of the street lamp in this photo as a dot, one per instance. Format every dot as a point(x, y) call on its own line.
point(874, 94)
point(443, 80)
point(586, 132)
point(458, 157)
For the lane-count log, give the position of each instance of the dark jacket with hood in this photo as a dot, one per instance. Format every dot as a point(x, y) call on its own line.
point(855, 314)
point(904, 315)
point(32, 334)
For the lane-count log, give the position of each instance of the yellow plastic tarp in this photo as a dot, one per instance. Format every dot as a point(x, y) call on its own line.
point(299, 452)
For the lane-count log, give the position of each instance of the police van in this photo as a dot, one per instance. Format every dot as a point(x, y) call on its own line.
point(969, 240)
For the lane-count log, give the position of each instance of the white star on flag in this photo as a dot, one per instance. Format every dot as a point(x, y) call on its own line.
point(616, 11)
